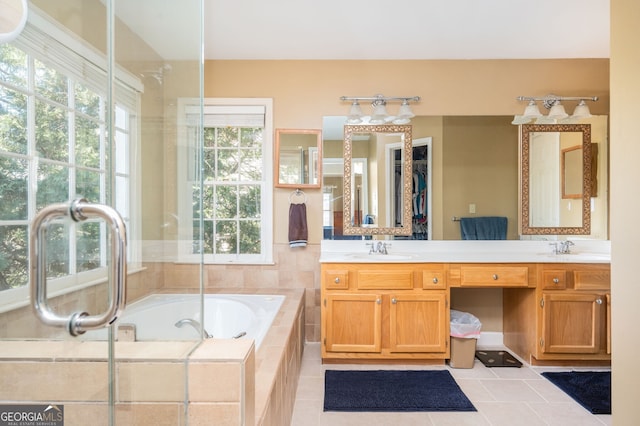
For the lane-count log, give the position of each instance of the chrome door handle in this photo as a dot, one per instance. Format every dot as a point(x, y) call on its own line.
point(78, 210)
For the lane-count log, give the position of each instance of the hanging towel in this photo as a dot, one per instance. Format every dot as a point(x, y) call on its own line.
point(298, 232)
point(483, 228)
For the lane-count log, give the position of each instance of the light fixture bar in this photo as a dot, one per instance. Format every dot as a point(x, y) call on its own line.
point(380, 98)
point(550, 99)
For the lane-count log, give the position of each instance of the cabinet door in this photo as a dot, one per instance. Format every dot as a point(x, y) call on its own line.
point(353, 322)
point(572, 322)
point(418, 323)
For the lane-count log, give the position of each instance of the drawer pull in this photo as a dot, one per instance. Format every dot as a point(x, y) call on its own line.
point(394, 301)
point(435, 280)
point(337, 280)
point(495, 276)
point(556, 280)
point(599, 301)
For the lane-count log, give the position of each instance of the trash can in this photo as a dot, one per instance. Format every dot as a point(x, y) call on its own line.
point(465, 330)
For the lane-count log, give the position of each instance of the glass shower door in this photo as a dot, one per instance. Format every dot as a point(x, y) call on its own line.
point(88, 93)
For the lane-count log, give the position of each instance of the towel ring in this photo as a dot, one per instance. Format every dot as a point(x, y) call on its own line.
point(298, 193)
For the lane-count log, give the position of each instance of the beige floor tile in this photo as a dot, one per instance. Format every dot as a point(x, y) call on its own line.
point(503, 396)
point(511, 390)
point(565, 414)
point(509, 414)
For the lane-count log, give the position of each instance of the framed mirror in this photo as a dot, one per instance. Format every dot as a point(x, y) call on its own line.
point(373, 203)
point(556, 179)
point(298, 158)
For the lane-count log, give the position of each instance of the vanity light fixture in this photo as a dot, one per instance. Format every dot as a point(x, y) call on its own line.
point(556, 109)
point(379, 105)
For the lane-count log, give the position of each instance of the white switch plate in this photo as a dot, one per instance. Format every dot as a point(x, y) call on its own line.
point(472, 208)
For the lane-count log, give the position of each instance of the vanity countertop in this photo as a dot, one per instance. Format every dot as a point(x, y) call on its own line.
point(509, 251)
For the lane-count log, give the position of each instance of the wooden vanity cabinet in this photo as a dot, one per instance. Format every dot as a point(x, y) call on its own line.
point(384, 312)
point(572, 312)
point(565, 319)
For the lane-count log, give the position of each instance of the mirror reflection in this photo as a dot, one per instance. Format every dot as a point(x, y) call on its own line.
point(475, 168)
point(298, 157)
point(556, 179)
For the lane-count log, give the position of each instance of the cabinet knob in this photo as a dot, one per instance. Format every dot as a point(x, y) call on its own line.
point(495, 276)
point(599, 301)
point(337, 280)
point(435, 280)
point(556, 280)
point(378, 301)
point(393, 300)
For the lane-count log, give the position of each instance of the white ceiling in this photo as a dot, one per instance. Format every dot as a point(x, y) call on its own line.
point(375, 29)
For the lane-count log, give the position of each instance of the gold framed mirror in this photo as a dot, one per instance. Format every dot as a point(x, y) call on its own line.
point(555, 179)
point(298, 158)
point(373, 203)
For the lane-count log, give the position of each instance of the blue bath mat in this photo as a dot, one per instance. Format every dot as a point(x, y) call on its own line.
point(393, 390)
point(591, 389)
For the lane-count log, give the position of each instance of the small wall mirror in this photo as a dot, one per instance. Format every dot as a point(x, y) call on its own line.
point(556, 179)
point(377, 202)
point(298, 158)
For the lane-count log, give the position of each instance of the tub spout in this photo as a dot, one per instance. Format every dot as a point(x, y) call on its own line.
point(195, 324)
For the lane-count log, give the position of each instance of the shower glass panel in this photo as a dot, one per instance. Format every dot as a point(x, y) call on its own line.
point(90, 93)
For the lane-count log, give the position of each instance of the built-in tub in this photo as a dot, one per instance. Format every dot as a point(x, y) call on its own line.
point(226, 316)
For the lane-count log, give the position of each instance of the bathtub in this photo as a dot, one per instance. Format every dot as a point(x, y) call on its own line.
point(226, 316)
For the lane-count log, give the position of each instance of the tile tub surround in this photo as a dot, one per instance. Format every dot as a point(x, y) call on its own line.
point(152, 374)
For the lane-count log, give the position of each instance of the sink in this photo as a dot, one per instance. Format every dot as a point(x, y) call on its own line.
point(380, 257)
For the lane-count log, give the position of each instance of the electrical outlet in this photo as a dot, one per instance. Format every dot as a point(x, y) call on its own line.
point(472, 208)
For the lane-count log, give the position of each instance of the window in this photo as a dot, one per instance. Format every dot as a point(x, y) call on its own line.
point(53, 148)
point(230, 201)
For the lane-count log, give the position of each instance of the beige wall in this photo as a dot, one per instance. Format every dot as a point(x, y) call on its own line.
point(305, 91)
point(625, 232)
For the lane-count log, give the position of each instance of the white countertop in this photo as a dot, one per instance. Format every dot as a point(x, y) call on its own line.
point(505, 251)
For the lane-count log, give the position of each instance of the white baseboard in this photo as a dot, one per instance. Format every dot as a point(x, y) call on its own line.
point(490, 339)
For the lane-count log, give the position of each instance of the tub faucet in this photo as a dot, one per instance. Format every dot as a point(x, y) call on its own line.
point(195, 324)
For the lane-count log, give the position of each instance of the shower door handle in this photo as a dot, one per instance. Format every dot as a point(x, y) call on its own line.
point(78, 210)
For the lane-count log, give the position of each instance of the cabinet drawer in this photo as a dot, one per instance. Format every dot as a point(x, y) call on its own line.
point(376, 279)
point(434, 279)
point(336, 279)
point(592, 279)
point(554, 279)
point(494, 276)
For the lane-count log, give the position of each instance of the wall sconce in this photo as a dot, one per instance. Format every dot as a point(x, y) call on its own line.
point(379, 114)
point(556, 110)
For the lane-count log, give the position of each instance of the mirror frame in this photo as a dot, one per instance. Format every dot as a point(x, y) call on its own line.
point(349, 131)
point(318, 168)
point(527, 129)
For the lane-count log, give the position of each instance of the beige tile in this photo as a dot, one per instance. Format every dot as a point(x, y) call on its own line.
point(226, 376)
point(511, 390)
point(565, 414)
point(509, 414)
point(458, 419)
point(143, 381)
point(77, 414)
point(203, 414)
point(53, 381)
point(148, 414)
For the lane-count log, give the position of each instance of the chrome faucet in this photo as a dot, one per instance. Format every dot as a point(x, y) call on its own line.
point(195, 324)
point(379, 248)
point(562, 247)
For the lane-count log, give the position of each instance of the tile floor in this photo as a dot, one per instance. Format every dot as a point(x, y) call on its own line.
point(502, 396)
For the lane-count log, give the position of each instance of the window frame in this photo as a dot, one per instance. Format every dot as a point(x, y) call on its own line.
point(188, 107)
point(129, 86)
